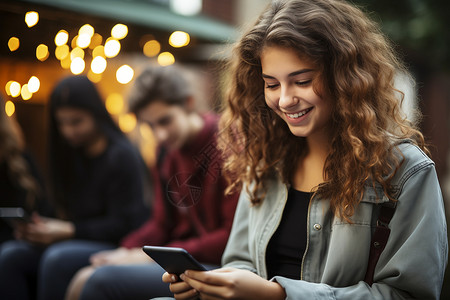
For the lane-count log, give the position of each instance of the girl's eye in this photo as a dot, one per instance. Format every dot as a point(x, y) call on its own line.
point(271, 86)
point(303, 83)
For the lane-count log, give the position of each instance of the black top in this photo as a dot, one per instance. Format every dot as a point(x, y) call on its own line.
point(286, 247)
point(105, 199)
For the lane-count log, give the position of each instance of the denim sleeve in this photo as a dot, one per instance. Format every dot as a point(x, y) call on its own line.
point(237, 252)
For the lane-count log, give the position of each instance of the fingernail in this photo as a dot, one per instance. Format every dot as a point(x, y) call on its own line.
point(182, 276)
point(173, 278)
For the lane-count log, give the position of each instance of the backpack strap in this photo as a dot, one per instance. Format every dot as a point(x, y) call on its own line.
point(379, 238)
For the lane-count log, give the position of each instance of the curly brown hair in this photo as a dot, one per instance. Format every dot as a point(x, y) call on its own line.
point(357, 67)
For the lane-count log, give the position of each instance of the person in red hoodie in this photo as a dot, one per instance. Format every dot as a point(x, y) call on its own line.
point(190, 207)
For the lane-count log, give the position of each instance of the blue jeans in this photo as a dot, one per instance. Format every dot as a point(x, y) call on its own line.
point(25, 268)
point(127, 282)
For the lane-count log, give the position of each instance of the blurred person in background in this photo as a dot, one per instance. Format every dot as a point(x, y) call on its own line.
point(191, 210)
point(21, 184)
point(97, 179)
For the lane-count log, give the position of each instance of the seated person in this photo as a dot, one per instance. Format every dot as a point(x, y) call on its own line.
point(191, 210)
point(21, 183)
point(97, 193)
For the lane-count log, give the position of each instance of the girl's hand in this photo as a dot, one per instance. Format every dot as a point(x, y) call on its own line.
point(180, 289)
point(226, 283)
point(46, 231)
point(120, 256)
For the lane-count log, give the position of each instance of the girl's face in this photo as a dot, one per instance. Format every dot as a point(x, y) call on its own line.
point(288, 88)
point(170, 123)
point(77, 126)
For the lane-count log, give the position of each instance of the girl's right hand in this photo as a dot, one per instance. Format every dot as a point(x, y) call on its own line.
point(181, 290)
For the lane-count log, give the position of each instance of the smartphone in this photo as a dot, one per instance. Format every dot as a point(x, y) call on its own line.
point(173, 260)
point(14, 215)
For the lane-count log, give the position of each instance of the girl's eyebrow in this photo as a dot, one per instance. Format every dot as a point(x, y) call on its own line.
point(295, 73)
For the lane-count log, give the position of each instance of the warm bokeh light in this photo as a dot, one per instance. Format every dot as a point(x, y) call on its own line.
point(86, 29)
point(13, 44)
point(73, 43)
point(124, 74)
point(96, 41)
point(114, 103)
point(179, 39)
point(62, 52)
point(127, 122)
point(98, 51)
point(83, 40)
point(10, 108)
point(77, 66)
point(166, 58)
point(151, 48)
point(8, 87)
point(98, 65)
point(119, 31)
point(61, 38)
point(95, 78)
point(34, 84)
point(186, 7)
point(42, 52)
point(77, 52)
point(14, 89)
point(31, 18)
point(65, 62)
point(25, 92)
point(112, 48)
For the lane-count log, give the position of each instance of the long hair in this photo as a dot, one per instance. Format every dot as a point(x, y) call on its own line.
point(76, 92)
point(12, 147)
point(357, 67)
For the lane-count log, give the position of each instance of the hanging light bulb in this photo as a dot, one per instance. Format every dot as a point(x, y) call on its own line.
point(124, 74)
point(34, 84)
point(119, 31)
point(31, 18)
point(61, 38)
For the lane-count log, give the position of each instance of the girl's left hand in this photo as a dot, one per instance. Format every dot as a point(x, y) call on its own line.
point(231, 283)
point(46, 231)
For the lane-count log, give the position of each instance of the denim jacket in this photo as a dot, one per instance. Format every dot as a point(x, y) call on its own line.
point(335, 261)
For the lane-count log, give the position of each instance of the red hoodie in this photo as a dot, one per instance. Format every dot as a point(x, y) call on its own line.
point(190, 209)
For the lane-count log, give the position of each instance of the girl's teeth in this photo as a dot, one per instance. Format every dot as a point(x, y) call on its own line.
point(298, 115)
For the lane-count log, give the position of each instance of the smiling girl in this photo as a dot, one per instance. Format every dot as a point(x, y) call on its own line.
point(326, 150)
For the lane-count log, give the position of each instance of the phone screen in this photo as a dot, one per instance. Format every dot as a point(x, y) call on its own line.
point(173, 260)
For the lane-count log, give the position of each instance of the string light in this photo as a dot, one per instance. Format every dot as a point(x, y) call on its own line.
point(31, 18)
point(86, 29)
point(98, 65)
point(61, 38)
point(8, 87)
point(42, 52)
point(112, 48)
point(179, 39)
point(124, 74)
point(114, 103)
point(34, 84)
point(13, 44)
point(119, 31)
point(77, 66)
point(61, 52)
point(127, 122)
point(25, 92)
point(151, 48)
point(166, 58)
point(10, 108)
point(14, 89)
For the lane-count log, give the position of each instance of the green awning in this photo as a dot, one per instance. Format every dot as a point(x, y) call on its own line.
point(150, 15)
